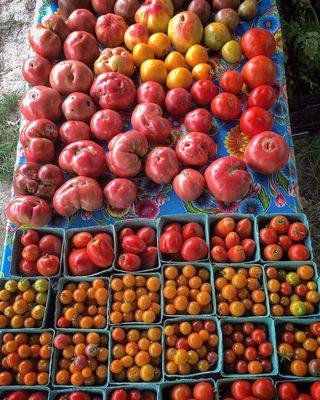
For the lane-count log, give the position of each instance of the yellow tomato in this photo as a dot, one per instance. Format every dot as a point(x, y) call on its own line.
point(153, 70)
point(160, 44)
point(179, 78)
point(197, 54)
point(142, 52)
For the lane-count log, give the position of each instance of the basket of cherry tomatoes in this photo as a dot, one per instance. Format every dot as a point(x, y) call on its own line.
point(193, 346)
point(136, 354)
point(25, 357)
point(183, 238)
point(298, 347)
point(302, 389)
point(137, 245)
point(20, 393)
point(187, 289)
point(89, 252)
point(284, 237)
point(135, 299)
point(239, 291)
point(37, 252)
point(191, 389)
point(249, 388)
point(80, 358)
point(233, 239)
point(133, 392)
point(249, 347)
point(82, 304)
point(24, 303)
point(293, 290)
point(71, 394)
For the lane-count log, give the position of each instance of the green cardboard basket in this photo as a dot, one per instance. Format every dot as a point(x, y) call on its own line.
point(208, 373)
point(135, 224)
point(183, 219)
point(55, 394)
point(198, 265)
point(127, 327)
point(303, 384)
point(67, 249)
point(166, 386)
point(6, 390)
point(146, 275)
point(214, 219)
point(17, 248)
point(224, 385)
point(62, 283)
point(143, 386)
point(271, 337)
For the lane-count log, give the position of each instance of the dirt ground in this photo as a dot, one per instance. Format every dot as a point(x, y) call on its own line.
point(15, 17)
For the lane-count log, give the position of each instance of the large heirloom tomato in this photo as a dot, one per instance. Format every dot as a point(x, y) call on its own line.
point(258, 42)
point(189, 184)
point(120, 193)
point(105, 124)
point(113, 90)
point(227, 179)
point(82, 20)
point(114, 60)
point(84, 158)
point(57, 24)
point(255, 120)
point(259, 70)
point(42, 128)
point(195, 148)
point(79, 107)
point(78, 193)
point(39, 150)
point(162, 165)
point(72, 131)
point(81, 46)
point(267, 152)
point(147, 118)
point(29, 210)
point(126, 149)
point(71, 76)
point(45, 42)
point(226, 106)
point(110, 29)
point(41, 102)
point(36, 70)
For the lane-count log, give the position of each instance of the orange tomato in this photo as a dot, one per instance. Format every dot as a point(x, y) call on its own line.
point(160, 44)
point(142, 52)
point(202, 71)
point(153, 70)
point(179, 78)
point(196, 54)
point(174, 60)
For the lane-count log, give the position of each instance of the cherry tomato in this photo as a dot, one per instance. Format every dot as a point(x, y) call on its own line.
point(315, 390)
point(181, 391)
point(241, 389)
point(263, 389)
point(288, 391)
point(203, 390)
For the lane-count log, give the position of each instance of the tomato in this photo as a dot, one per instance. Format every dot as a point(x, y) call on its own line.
point(259, 70)
point(81, 239)
point(188, 184)
point(181, 391)
point(149, 258)
point(267, 152)
point(28, 268)
point(241, 389)
point(226, 106)
point(45, 42)
point(162, 165)
point(244, 228)
point(178, 102)
point(39, 150)
point(81, 264)
point(258, 336)
point(100, 252)
point(105, 124)
point(285, 242)
point(231, 81)
point(120, 193)
point(298, 252)
point(297, 231)
point(263, 389)
point(48, 265)
point(249, 247)
point(174, 226)
point(195, 149)
point(255, 120)
point(29, 237)
point(263, 96)
point(29, 210)
point(194, 249)
point(272, 252)
point(81, 46)
point(203, 390)
point(148, 235)
point(76, 395)
point(151, 92)
point(198, 120)
point(192, 229)
point(50, 244)
point(78, 107)
point(129, 262)
point(280, 224)
point(31, 252)
point(315, 328)
point(258, 42)
point(266, 350)
point(124, 232)
point(41, 128)
point(170, 242)
point(315, 390)
point(81, 20)
point(38, 396)
point(133, 244)
point(203, 91)
point(287, 391)
point(219, 254)
point(268, 236)
point(18, 395)
point(36, 70)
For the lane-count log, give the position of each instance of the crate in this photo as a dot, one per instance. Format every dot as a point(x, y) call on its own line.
point(17, 248)
point(67, 249)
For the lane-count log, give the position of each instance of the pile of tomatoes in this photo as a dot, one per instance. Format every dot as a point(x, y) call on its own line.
point(292, 291)
point(185, 391)
point(26, 395)
point(135, 298)
point(187, 290)
point(25, 358)
point(281, 239)
point(191, 347)
point(232, 241)
point(262, 388)
point(83, 305)
point(132, 394)
point(299, 390)
point(80, 359)
point(185, 242)
point(299, 349)
point(91, 253)
point(136, 354)
point(40, 255)
point(23, 303)
point(138, 249)
point(247, 348)
point(239, 291)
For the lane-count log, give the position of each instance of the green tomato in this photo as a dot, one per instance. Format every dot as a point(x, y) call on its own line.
point(41, 285)
point(232, 52)
point(282, 275)
point(298, 308)
point(41, 298)
point(24, 285)
point(293, 278)
point(216, 35)
point(11, 286)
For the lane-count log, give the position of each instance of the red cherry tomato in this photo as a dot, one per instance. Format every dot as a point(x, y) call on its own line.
point(315, 328)
point(315, 390)
point(226, 106)
point(249, 247)
point(171, 242)
point(263, 388)
point(203, 390)
point(100, 252)
point(258, 336)
point(181, 391)
point(263, 96)
point(231, 81)
point(287, 391)
point(241, 389)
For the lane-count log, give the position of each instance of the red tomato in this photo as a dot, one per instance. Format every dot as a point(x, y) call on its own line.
point(50, 244)
point(18, 395)
point(219, 254)
point(244, 228)
point(287, 391)
point(124, 232)
point(258, 42)
point(226, 106)
point(120, 193)
point(260, 70)
point(298, 252)
point(280, 224)
point(192, 229)
point(194, 249)
point(149, 258)
point(315, 390)
point(81, 46)
point(267, 152)
point(268, 236)
point(148, 235)
point(285, 242)
point(203, 390)
point(181, 391)
point(305, 396)
point(263, 388)
point(28, 268)
point(198, 120)
point(133, 244)
point(39, 150)
point(80, 263)
point(82, 20)
point(77, 395)
point(241, 389)
point(170, 242)
point(36, 70)
point(81, 239)
point(106, 236)
point(263, 96)
point(272, 252)
point(151, 92)
point(178, 102)
point(203, 91)
point(231, 81)
point(265, 350)
point(162, 165)
point(31, 252)
point(129, 262)
point(105, 124)
point(100, 252)
point(315, 329)
point(249, 247)
point(29, 237)
point(255, 120)
point(258, 336)
point(38, 396)
point(188, 184)
point(174, 226)
point(298, 231)
point(48, 265)
point(78, 107)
